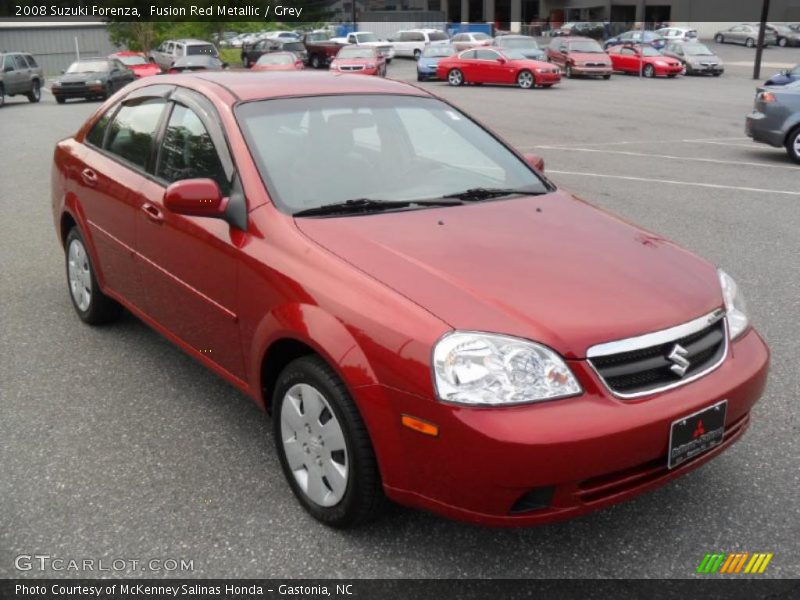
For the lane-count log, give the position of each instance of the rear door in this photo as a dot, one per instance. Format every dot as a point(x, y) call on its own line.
point(190, 264)
point(117, 153)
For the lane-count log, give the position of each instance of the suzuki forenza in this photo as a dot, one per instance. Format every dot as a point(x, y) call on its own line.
point(424, 314)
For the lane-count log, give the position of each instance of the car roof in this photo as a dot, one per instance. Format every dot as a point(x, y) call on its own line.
point(573, 38)
point(190, 41)
point(250, 86)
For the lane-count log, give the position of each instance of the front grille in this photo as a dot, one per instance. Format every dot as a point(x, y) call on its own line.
point(596, 65)
point(648, 369)
point(351, 68)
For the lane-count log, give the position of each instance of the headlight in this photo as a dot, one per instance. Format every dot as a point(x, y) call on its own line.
point(735, 306)
point(96, 82)
point(487, 369)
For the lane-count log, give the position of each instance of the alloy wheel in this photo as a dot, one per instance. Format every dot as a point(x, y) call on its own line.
point(314, 445)
point(525, 80)
point(80, 275)
point(455, 77)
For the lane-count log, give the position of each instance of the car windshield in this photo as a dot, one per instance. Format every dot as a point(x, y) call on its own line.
point(294, 46)
point(132, 60)
point(207, 49)
point(697, 50)
point(89, 66)
point(438, 51)
point(480, 36)
point(322, 150)
point(518, 43)
point(650, 51)
point(588, 46)
point(276, 59)
point(317, 37)
point(367, 37)
point(356, 53)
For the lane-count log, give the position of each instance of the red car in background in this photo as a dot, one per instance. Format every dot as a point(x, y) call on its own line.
point(137, 63)
point(490, 65)
point(579, 56)
point(279, 61)
point(361, 60)
point(644, 59)
point(422, 312)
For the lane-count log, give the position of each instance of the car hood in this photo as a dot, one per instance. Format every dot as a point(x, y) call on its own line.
point(590, 57)
point(80, 77)
point(550, 268)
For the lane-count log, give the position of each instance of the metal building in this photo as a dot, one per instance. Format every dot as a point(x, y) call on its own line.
point(56, 45)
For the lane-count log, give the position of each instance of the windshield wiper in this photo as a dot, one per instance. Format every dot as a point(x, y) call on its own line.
point(477, 194)
point(358, 205)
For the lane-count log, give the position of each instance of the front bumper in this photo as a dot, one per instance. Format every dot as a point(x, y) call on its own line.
point(586, 452)
point(84, 91)
point(547, 78)
point(668, 70)
point(582, 70)
point(705, 69)
point(427, 72)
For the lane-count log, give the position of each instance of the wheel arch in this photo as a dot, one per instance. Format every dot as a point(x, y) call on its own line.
point(296, 330)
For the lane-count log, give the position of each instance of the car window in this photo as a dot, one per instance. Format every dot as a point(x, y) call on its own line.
point(417, 37)
point(131, 133)
point(487, 55)
point(98, 130)
point(31, 62)
point(437, 36)
point(469, 54)
point(188, 152)
point(205, 49)
point(628, 51)
point(20, 61)
point(8, 62)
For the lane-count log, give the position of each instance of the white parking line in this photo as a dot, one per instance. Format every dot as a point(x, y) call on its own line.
point(718, 143)
point(673, 182)
point(672, 157)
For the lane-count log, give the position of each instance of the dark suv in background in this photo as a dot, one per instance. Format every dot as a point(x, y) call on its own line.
point(19, 74)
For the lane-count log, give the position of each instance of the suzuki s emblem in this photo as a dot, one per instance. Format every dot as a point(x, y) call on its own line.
point(678, 356)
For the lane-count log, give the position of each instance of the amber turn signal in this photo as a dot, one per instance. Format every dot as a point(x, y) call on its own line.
point(419, 425)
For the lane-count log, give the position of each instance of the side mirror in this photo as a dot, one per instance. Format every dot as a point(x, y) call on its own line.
point(195, 198)
point(537, 162)
point(501, 60)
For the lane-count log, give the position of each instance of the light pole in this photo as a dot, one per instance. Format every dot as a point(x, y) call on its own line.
point(762, 28)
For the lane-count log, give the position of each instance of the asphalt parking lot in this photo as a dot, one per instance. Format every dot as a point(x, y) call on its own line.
point(114, 444)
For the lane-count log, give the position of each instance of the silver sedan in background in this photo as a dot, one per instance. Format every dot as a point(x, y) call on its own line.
point(696, 58)
point(775, 119)
point(746, 34)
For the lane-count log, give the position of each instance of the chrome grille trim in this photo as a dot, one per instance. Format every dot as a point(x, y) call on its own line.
point(656, 338)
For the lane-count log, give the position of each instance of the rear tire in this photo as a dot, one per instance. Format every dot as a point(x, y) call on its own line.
point(315, 62)
point(455, 77)
point(793, 145)
point(607, 76)
point(92, 305)
point(750, 42)
point(2, 95)
point(417, 54)
point(36, 92)
point(313, 413)
point(719, 38)
point(60, 100)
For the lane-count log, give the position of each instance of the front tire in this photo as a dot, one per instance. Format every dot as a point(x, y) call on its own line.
point(782, 42)
point(568, 72)
point(2, 95)
point(92, 305)
point(417, 54)
point(649, 71)
point(750, 42)
point(793, 145)
point(525, 80)
point(455, 77)
point(315, 62)
point(323, 445)
point(36, 92)
point(607, 77)
point(60, 99)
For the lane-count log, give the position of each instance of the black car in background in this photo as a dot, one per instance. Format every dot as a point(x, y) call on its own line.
point(594, 30)
point(91, 78)
point(251, 53)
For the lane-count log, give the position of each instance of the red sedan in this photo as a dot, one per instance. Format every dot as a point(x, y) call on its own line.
point(359, 60)
point(489, 65)
point(137, 63)
point(643, 59)
point(423, 313)
point(279, 61)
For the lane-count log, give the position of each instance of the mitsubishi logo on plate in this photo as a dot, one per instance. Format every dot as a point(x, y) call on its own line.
point(678, 356)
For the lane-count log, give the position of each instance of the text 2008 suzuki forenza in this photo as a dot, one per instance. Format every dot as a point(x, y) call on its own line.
point(423, 313)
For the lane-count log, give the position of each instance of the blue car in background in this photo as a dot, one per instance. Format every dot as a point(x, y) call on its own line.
point(429, 60)
point(785, 77)
point(637, 37)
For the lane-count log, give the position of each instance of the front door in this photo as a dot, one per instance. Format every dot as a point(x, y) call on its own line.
point(189, 264)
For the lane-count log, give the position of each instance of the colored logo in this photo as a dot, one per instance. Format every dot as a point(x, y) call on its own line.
point(736, 562)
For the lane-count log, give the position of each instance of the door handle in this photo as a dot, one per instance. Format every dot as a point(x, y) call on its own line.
point(89, 177)
point(153, 212)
